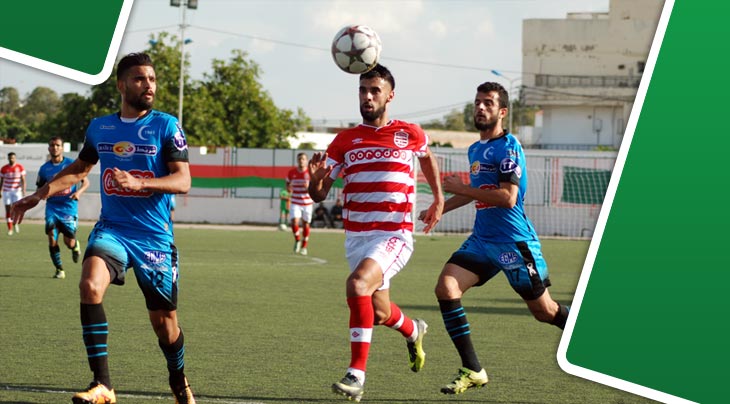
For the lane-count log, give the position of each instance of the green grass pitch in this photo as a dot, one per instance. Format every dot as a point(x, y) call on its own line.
point(263, 325)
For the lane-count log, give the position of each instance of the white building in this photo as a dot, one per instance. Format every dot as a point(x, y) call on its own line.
point(584, 71)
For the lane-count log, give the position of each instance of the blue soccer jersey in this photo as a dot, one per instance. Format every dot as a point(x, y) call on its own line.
point(60, 203)
point(491, 162)
point(143, 148)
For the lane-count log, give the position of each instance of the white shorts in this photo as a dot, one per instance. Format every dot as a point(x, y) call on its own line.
point(303, 212)
point(390, 251)
point(10, 197)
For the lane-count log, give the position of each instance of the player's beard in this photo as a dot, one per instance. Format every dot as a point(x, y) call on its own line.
point(370, 116)
point(489, 124)
point(139, 103)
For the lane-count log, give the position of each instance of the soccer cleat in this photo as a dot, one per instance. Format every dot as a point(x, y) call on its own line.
point(10, 232)
point(466, 379)
point(59, 274)
point(416, 355)
point(16, 228)
point(96, 393)
point(183, 393)
point(76, 251)
point(297, 246)
point(303, 251)
point(349, 387)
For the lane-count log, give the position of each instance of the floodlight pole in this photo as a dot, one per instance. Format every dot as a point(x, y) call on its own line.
point(183, 4)
point(511, 86)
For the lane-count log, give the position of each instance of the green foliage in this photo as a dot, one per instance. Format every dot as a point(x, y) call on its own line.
point(229, 107)
point(11, 128)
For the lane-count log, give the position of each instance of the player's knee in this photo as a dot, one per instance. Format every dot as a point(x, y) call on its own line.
point(91, 292)
point(381, 316)
point(446, 290)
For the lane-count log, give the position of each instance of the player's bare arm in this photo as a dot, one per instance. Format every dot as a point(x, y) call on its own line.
point(319, 177)
point(430, 169)
point(177, 182)
point(67, 177)
point(81, 189)
point(504, 197)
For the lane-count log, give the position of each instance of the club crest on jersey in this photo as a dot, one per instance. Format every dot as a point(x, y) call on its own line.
point(179, 139)
point(508, 257)
point(400, 138)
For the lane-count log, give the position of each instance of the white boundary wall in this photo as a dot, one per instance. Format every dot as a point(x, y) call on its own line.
point(550, 216)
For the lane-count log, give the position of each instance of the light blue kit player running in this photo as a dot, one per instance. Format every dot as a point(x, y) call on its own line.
point(61, 208)
point(503, 239)
point(143, 158)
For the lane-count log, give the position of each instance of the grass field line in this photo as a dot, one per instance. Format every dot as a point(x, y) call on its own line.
point(125, 395)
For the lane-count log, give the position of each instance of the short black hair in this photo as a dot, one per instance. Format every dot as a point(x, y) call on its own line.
point(54, 138)
point(11, 154)
point(132, 60)
point(490, 86)
point(381, 72)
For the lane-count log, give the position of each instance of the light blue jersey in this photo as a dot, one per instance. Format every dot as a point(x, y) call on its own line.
point(59, 204)
point(143, 148)
point(491, 162)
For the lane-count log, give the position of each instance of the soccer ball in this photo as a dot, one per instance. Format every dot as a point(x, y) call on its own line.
point(356, 49)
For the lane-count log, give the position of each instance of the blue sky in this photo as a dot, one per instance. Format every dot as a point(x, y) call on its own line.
point(438, 50)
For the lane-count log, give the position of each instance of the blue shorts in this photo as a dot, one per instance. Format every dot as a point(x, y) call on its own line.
point(153, 257)
point(521, 262)
point(62, 223)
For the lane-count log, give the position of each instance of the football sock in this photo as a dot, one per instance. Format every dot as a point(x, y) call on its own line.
point(295, 230)
point(457, 326)
point(305, 235)
point(401, 323)
point(175, 356)
point(561, 317)
point(95, 333)
point(362, 318)
point(55, 252)
point(9, 221)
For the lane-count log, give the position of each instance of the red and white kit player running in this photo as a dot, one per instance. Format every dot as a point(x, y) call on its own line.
point(377, 160)
point(12, 182)
point(300, 209)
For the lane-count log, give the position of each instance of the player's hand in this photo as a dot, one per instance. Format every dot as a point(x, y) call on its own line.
point(318, 168)
point(432, 215)
point(127, 180)
point(18, 209)
point(453, 184)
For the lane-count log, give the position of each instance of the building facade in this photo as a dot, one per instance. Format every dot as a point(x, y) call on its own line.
point(584, 71)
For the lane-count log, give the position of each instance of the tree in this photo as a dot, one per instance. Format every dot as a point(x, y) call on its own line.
point(9, 100)
point(12, 129)
point(230, 107)
point(70, 122)
point(40, 104)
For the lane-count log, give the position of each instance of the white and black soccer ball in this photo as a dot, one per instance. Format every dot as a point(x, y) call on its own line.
point(356, 49)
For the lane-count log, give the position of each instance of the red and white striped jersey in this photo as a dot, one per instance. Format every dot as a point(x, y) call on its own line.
point(377, 166)
point(11, 176)
point(299, 183)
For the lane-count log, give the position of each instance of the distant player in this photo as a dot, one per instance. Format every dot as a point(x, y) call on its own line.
point(377, 161)
point(62, 208)
point(143, 156)
point(300, 208)
point(284, 203)
point(12, 181)
point(503, 238)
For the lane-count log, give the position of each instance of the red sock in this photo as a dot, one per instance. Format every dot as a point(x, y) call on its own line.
point(399, 321)
point(362, 318)
point(305, 234)
point(9, 221)
point(295, 230)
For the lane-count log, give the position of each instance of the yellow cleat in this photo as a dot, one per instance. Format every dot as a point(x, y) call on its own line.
point(416, 355)
point(466, 379)
point(96, 393)
point(183, 394)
